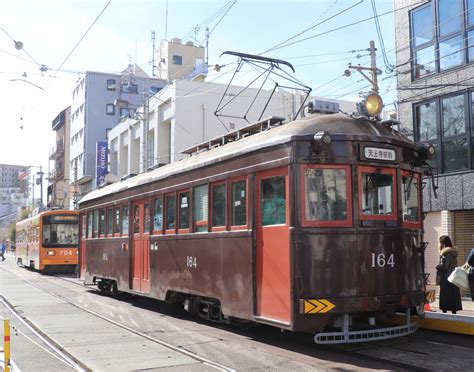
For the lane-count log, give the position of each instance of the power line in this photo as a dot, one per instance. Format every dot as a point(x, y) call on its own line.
point(344, 26)
point(284, 43)
point(83, 36)
point(389, 67)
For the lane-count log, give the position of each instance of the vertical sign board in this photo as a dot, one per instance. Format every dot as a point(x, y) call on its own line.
point(101, 162)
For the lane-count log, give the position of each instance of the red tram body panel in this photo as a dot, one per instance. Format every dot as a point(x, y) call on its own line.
point(273, 228)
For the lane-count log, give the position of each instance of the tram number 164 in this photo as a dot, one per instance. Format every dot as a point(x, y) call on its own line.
point(380, 260)
point(191, 261)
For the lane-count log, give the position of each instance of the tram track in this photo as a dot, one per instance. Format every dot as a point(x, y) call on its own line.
point(82, 366)
point(55, 349)
point(363, 351)
point(396, 355)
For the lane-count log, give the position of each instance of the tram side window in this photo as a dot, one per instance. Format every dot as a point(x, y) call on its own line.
point(89, 225)
point(273, 201)
point(325, 194)
point(377, 193)
point(84, 225)
point(218, 205)
point(158, 215)
point(110, 221)
point(125, 220)
point(117, 220)
point(238, 207)
point(410, 202)
point(170, 212)
point(183, 204)
point(146, 218)
point(102, 222)
point(201, 208)
point(95, 223)
point(136, 219)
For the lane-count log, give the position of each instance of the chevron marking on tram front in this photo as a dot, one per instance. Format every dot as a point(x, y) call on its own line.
point(319, 306)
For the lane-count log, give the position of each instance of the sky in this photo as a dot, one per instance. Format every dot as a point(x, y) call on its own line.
point(50, 29)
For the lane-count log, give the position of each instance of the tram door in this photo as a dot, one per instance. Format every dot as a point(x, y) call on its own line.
point(141, 247)
point(273, 245)
point(82, 247)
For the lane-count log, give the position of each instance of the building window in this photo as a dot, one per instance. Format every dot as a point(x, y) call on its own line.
point(129, 88)
point(444, 123)
point(177, 60)
point(110, 109)
point(154, 90)
point(439, 43)
point(127, 112)
point(111, 84)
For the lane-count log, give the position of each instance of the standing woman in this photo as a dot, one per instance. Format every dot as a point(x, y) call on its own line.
point(449, 295)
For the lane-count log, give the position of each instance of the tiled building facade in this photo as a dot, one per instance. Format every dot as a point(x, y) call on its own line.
point(435, 71)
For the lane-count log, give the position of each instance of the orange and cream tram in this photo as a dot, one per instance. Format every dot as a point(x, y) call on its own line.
point(48, 241)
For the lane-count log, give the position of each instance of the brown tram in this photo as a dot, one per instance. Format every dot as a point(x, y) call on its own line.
point(306, 226)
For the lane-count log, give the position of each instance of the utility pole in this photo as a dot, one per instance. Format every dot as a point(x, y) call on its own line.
point(374, 71)
point(144, 136)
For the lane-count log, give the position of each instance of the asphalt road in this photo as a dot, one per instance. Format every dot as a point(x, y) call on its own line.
point(133, 333)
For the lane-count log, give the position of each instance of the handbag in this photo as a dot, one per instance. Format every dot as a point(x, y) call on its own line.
point(459, 277)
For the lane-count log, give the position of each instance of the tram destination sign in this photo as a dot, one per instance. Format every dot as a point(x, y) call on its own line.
point(376, 153)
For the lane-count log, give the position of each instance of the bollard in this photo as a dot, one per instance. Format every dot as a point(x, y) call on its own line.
point(6, 345)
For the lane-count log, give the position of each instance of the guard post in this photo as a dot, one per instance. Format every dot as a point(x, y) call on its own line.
point(6, 345)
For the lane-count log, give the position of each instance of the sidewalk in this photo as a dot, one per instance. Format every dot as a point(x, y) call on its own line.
point(462, 322)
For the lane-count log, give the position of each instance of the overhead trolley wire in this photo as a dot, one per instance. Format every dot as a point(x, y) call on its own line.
point(83, 36)
point(283, 44)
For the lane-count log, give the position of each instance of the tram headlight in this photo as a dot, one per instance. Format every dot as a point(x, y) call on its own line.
point(321, 141)
point(371, 106)
point(50, 253)
point(426, 151)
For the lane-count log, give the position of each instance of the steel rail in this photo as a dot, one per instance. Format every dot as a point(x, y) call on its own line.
point(203, 360)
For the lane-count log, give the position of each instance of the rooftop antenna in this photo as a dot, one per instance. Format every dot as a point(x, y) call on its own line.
point(207, 47)
point(153, 54)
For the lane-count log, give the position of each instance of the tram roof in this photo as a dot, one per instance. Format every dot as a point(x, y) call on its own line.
point(335, 124)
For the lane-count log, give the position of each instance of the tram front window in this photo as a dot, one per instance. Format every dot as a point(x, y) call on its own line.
point(60, 231)
point(325, 194)
point(377, 193)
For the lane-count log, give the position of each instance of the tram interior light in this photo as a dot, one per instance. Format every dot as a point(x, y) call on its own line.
point(321, 141)
point(371, 106)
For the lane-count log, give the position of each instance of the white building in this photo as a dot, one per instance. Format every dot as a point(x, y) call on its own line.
point(182, 115)
point(93, 113)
